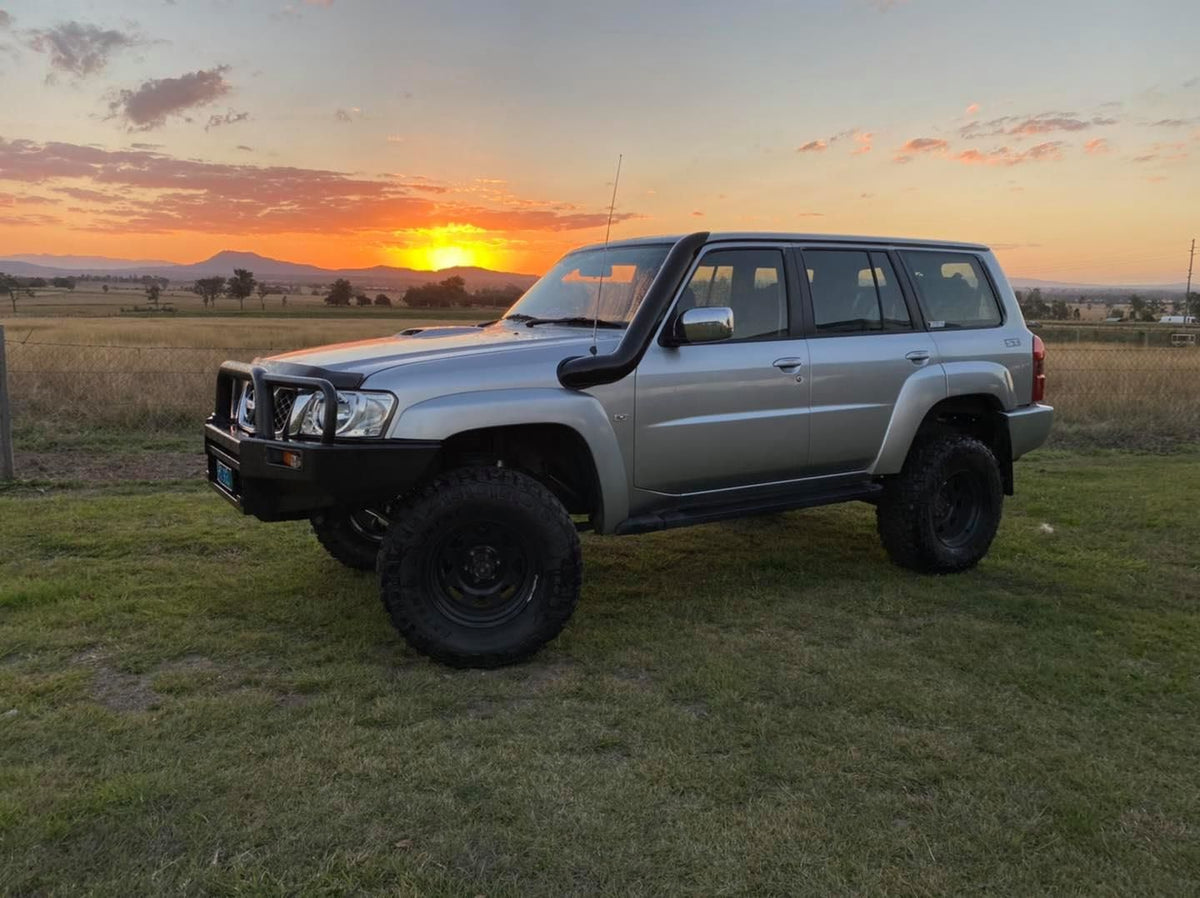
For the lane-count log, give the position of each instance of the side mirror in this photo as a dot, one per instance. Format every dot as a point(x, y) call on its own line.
point(704, 325)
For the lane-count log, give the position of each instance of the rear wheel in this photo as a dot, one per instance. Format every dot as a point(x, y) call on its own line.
point(481, 568)
point(352, 537)
point(941, 512)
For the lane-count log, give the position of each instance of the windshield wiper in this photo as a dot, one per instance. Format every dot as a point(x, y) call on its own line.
point(572, 321)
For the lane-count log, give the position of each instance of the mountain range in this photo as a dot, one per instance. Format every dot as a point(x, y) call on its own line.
point(264, 268)
point(267, 269)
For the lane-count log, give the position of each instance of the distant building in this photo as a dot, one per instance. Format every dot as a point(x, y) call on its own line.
point(1177, 319)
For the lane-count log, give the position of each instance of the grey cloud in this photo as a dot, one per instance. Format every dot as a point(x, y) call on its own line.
point(151, 104)
point(6, 19)
point(78, 48)
point(229, 118)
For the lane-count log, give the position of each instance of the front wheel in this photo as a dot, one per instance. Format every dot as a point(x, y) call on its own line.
point(481, 568)
point(941, 512)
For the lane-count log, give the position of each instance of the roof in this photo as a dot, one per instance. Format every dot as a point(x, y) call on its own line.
point(721, 236)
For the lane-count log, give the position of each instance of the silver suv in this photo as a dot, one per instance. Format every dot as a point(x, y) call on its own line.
point(638, 386)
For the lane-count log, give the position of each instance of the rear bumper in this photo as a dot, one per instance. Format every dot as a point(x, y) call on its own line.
point(312, 476)
point(1028, 427)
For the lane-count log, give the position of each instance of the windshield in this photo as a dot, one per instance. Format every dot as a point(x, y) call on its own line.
point(618, 277)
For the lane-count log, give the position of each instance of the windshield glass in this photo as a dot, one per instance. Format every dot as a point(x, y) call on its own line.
point(618, 277)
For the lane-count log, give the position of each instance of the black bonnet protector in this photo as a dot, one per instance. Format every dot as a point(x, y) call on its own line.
point(579, 372)
point(341, 380)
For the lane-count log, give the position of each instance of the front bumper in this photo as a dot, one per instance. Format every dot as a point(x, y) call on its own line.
point(314, 476)
point(279, 479)
point(1028, 427)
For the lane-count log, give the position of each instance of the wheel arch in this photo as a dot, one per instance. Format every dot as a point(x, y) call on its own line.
point(561, 438)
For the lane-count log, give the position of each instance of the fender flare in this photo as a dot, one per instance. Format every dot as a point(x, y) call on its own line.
point(445, 416)
point(925, 389)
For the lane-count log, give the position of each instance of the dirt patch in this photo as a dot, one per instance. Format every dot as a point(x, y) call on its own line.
point(121, 691)
point(103, 467)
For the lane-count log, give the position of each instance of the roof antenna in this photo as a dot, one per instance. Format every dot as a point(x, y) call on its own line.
point(604, 256)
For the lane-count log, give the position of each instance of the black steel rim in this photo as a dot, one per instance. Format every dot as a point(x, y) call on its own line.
point(958, 508)
point(481, 573)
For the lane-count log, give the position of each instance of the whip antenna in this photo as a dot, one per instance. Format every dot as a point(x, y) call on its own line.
point(604, 255)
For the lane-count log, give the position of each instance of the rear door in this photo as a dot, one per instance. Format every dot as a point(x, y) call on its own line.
point(866, 340)
point(733, 413)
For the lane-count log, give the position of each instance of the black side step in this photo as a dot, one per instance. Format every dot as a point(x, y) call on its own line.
point(687, 515)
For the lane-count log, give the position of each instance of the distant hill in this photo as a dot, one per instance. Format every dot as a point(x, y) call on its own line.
point(264, 268)
point(105, 263)
point(1030, 283)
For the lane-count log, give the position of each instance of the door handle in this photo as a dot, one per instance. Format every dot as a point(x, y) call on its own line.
point(788, 364)
point(918, 356)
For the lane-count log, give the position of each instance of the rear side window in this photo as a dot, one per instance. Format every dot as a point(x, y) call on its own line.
point(952, 289)
point(854, 292)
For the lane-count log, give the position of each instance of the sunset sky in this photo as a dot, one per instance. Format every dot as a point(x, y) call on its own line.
point(357, 132)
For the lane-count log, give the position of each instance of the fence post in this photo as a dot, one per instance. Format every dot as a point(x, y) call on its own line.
point(7, 471)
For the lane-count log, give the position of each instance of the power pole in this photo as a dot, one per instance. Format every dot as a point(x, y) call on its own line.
point(1187, 292)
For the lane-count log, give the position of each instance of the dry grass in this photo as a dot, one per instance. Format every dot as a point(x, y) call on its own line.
point(1115, 396)
point(155, 375)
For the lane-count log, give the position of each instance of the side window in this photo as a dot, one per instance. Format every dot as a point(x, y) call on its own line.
point(854, 292)
point(952, 289)
point(748, 281)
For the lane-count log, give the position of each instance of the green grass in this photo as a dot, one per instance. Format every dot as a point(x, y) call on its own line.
point(208, 705)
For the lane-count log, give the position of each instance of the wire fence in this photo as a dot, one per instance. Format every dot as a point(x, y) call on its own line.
point(1135, 394)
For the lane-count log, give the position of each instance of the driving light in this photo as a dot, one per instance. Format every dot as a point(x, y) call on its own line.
point(359, 414)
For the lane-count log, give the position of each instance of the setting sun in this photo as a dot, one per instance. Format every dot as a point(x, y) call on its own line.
point(449, 246)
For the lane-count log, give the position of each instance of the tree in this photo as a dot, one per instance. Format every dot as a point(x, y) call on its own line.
point(340, 293)
point(450, 292)
point(1059, 310)
point(1193, 305)
point(263, 292)
point(153, 291)
point(66, 283)
point(362, 299)
point(209, 289)
point(9, 285)
point(1032, 304)
point(1137, 308)
point(382, 299)
point(104, 288)
point(240, 286)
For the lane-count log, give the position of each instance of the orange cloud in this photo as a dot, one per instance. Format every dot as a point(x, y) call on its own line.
point(919, 145)
point(1097, 146)
point(138, 191)
point(972, 109)
point(1043, 152)
point(863, 139)
point(813, 146)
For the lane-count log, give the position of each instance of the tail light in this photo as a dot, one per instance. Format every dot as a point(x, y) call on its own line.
point(1039, 369)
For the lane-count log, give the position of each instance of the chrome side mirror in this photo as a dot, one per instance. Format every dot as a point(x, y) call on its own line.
point(704, 325)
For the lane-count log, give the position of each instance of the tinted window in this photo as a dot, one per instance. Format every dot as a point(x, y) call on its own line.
point(749, 281)
point(854, 292)
point(891, 299)
point(952, 289)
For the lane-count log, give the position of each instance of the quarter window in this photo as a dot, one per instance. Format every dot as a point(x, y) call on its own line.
point(748, 281)
point(854, 292)
point(952, 289)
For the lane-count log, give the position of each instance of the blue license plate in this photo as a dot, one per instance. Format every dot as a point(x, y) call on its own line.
point(225, 476)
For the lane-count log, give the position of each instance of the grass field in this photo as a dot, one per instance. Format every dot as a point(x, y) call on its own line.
point(156, 376)
point(194, 703)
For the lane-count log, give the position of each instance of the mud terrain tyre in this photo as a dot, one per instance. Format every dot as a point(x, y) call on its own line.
point(940, 513)
point(352, 537)
point(481, 567)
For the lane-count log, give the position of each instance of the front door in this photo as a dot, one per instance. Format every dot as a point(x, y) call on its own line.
point(733, 413)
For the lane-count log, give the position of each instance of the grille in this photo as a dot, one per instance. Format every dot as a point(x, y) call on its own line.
point(284, 399)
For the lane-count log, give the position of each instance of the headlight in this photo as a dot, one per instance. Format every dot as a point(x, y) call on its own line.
point(358, 414)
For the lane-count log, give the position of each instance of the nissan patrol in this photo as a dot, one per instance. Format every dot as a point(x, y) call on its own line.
point(642, 385)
